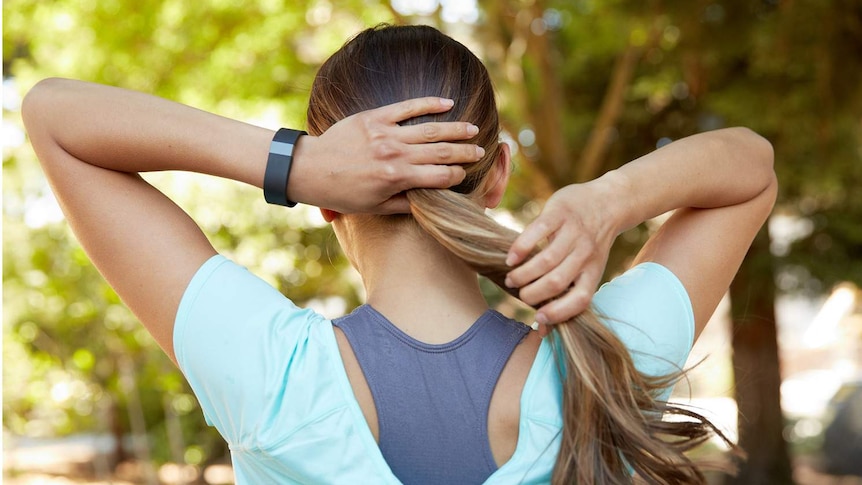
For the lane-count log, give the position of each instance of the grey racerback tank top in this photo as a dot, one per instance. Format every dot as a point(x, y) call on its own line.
point(432, 400)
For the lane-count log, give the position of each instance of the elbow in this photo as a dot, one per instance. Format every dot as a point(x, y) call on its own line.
point(43, 99)
point(35, 104)
point(762, 150)
point(38, 111)
point(38, 99)
point(764, 203)
point(756, 147)
point(758, 151)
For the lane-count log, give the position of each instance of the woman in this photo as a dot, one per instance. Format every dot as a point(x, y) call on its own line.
point(423, 384)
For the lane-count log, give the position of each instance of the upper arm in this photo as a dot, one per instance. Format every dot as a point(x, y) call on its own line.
point(705, 247)
point(143, 244)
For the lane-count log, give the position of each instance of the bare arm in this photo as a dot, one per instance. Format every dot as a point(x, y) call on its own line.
point(721, 185)
point(92, 140)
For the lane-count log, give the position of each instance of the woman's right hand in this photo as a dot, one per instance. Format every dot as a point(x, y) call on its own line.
point(364, 162)
point(721, 187)
point(580, 223)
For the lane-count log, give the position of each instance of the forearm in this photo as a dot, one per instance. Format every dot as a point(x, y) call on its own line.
point(713, 169)
point(127, 131)
point(727, 171)
point(74, 122)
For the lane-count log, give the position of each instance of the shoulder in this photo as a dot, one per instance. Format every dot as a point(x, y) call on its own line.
point(645, 288)
point(650, 311)
point(247, 351)
point(224, 302)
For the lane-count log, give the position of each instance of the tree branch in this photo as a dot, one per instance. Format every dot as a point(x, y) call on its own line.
point(599, 141)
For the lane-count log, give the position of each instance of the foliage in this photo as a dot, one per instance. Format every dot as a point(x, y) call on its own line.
point(67, 335)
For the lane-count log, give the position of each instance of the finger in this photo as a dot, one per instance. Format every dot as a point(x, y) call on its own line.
point(575, 301)
point(540, 264)
point(588, 281)
point(538, 230)
point(433, 131)
point(555, 281)
point(444, 153)
point(564, 308)
point(412, 108)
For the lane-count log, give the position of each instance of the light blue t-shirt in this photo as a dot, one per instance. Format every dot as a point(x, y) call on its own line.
point(269, 376)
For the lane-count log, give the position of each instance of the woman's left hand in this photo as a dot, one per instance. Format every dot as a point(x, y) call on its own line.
point(364, 162)
point(580, 224)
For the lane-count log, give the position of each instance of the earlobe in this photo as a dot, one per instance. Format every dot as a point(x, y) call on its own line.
point(329, 215)
point(500, 177)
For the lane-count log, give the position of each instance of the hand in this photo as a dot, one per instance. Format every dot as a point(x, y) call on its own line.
point(364, 162)
point(580, 226)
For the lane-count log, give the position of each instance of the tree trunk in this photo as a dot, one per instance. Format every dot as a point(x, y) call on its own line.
point(757, 371)
point(546, 100)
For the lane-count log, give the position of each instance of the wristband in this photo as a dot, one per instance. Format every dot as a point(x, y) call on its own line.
point(278, 166)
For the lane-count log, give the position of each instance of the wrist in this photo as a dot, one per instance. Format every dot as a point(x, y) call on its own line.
point(620, 198)
point(299, 186)
point(278, 166)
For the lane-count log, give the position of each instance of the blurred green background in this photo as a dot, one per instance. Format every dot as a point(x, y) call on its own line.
point(584, 86)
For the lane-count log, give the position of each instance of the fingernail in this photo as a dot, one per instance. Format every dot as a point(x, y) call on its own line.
point(480, 152)
point(447, 102)
point(509, 283)
point(541, 319)
point(510, 260)
point(472, 129)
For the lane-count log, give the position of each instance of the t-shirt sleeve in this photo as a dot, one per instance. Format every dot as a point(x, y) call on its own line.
point(246, 350)
point(650, 311)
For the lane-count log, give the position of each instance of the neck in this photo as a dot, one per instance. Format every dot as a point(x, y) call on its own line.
point(420, 286)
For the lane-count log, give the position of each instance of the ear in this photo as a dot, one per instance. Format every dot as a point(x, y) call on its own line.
point(329, 215)
point(499, 177)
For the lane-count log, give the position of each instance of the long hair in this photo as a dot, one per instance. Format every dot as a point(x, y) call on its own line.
point(612, 422)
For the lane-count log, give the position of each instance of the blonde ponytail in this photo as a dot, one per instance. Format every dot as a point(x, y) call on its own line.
point(612, 424)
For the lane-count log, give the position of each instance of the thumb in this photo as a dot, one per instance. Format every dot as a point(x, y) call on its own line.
point(397, 204)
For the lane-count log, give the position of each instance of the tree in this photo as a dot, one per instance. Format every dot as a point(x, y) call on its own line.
point(796, 96)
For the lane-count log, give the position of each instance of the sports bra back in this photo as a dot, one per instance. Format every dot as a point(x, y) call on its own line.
point(432, 400)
